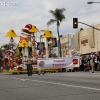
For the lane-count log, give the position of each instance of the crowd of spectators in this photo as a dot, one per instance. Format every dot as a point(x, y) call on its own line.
point(90, 62)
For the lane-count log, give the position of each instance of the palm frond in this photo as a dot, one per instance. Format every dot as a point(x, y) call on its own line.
point(62, 17)
point(51, 21)
point(52, 12)
point(60, 10)
point(58, 14)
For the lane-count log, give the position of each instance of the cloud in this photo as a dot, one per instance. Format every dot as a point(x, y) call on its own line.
point(36, 12)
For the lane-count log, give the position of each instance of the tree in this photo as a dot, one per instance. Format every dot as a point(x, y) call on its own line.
point(58, 18)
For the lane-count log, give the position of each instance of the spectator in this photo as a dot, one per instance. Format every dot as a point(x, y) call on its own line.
point(82, 63)
point(98, 60)
point(95, 62)
point(92, 61)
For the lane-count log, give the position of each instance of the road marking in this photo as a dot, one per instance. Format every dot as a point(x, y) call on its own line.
point(89, 88)
point(61, 84)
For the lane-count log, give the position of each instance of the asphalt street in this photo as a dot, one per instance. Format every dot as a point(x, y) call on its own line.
point(51, 86)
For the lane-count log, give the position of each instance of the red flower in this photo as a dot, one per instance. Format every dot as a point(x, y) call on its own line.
point(4, 67)
point(19, 68)
point(12, 66)
point(6, 60)
point(19, 62)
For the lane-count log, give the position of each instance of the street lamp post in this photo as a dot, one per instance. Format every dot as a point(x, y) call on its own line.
point(92, 2)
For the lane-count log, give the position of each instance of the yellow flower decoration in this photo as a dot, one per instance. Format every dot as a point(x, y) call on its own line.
point(47, 34)
point(34, 29)
point(11, 33)
point(24, 43)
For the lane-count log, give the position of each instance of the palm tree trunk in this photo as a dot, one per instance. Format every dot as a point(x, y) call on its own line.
point(59, 45)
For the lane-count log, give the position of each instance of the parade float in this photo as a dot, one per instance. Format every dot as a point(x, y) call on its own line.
point(48, 35)
point(27, 44)
point(11, 55)
point(18, 53)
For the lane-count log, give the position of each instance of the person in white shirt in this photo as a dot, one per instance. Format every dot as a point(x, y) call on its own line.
point(92, 61)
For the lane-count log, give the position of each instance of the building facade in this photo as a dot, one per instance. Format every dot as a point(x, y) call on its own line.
point(67, 44)
point(87, 40)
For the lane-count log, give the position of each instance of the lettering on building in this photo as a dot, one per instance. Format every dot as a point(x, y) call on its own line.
point(83, 42)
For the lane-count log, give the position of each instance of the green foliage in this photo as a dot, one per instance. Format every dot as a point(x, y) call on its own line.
point(6, 46)
point(58, 16)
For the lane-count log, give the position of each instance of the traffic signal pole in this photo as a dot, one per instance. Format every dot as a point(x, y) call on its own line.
point(89, 25)
point(75, 24)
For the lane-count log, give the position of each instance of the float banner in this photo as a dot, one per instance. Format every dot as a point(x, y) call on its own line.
point(58, 62)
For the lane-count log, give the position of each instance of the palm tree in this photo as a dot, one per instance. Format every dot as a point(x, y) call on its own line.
point(58, 18)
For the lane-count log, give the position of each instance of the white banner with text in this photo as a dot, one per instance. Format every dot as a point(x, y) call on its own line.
point(58, 62)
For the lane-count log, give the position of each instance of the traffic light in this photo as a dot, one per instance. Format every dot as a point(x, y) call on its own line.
point(75, 22)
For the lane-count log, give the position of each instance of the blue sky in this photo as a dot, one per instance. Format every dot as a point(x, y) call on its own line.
point(36, 12)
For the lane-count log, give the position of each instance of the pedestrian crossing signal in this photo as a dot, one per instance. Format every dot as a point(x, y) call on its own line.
point(75, 22)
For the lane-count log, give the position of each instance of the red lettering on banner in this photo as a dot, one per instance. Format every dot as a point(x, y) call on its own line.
point(59, 65)
point(59, 60)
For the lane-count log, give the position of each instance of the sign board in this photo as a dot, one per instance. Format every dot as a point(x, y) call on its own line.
point(53, 42)
point(40, 45)
point(58, 62)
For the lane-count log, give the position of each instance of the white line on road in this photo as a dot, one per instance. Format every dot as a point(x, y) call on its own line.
point(61, 84)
